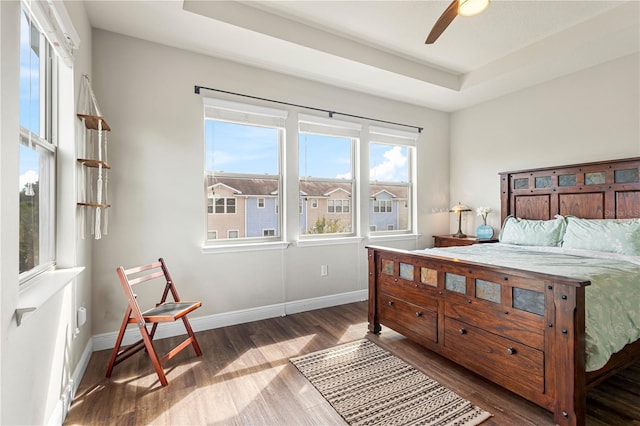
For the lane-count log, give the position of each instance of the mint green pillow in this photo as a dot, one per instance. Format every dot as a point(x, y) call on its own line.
point(621, 236)
point(526, 232)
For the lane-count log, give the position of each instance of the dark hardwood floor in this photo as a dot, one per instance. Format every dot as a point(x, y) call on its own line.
point(245, 378)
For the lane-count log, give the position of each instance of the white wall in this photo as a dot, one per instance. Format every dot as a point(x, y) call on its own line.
point(146, 92)
point(39, 358)
point(591, 115)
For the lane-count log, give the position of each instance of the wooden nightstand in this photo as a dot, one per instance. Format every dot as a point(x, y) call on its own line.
point(449, 241)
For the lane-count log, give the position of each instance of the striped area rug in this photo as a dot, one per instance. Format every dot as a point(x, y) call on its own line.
point(369, 386)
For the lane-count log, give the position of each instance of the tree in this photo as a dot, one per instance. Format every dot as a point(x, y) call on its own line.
point(29, 228)
point(326, 226)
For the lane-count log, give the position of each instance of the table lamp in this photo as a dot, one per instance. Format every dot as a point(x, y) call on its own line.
point(458, 209)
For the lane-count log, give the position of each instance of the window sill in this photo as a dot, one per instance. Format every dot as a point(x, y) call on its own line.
point(328, 241)
point(395, 237)
point(41, 288)
point(233, 248)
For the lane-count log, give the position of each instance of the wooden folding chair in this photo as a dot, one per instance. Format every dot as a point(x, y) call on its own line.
point(164, 311)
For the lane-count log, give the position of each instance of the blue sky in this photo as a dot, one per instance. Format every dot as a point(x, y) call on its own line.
point(29, 103)
point(238, 148)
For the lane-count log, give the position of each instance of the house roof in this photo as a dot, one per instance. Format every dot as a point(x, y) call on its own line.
point(310, 189)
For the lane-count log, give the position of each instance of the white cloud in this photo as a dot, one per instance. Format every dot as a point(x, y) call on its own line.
point(31, 176)
point(394, 161)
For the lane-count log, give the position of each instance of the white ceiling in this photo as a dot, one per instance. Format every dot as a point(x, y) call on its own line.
point(378, 47)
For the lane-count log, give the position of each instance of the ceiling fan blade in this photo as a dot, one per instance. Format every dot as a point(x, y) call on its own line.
point(443, 22)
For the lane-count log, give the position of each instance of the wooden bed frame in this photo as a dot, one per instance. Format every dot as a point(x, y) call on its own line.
point(538, 354)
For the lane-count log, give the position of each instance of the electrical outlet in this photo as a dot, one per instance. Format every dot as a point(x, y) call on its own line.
point(324, 270)
point(81, 316)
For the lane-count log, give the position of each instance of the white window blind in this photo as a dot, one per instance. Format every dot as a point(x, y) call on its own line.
point(328, 126)
point(394, 136)
point(222, 110)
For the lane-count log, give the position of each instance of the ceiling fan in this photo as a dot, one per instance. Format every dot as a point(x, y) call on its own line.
point(457, 7)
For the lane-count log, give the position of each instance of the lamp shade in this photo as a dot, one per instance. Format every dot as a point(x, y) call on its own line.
point(472, 7)
point(458, 208)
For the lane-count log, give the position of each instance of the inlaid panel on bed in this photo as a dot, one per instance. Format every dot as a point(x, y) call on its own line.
point(601, 190)
point(586, 206)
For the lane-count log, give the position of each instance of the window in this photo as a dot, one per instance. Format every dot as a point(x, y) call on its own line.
point(338, 206)
point(327, 157)
point(212, 235)
point(391, 173)
point(225, 205)
point(382, 206)
point(243, 145)
point(38, 118)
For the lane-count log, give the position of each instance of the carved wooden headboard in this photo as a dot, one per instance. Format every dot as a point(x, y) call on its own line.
point(600, 190)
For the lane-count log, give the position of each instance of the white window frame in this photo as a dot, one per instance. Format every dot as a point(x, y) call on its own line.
point(312, 124)
point(407, 139)
point(260, 201)
point(44, 142)
point(251, 115)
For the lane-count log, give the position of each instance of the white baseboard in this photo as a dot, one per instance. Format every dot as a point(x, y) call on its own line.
point(62, 407)
point(108, 340)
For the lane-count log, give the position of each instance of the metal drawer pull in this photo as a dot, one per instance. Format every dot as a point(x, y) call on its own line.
point(512, 351)
point(390, 302)
point(462, 331)
point(418, 314)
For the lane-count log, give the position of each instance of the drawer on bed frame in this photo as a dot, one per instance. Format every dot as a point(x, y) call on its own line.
point(417, 322)
point(505, 321)
point(496, 358)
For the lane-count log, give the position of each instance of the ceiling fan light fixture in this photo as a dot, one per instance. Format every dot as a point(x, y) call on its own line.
point(472, 7)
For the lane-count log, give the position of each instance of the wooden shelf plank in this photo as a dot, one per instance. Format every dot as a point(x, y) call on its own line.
point(91, 121)
point(93, 163)
point(104, 206)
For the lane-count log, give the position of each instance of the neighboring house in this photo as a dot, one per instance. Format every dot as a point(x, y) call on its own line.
point(388, 209)
point(328, 201)
point(240, 207)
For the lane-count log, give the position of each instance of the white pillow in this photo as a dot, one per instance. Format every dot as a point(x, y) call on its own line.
point(528, 232)
point(621, 236)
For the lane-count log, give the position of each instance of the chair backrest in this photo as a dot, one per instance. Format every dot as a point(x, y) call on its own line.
point(140, 274)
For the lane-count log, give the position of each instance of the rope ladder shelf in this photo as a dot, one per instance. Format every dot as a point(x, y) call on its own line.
point(92, 157)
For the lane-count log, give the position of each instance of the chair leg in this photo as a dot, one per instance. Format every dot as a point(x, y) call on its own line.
point(153, 355)
point(194, 341)
point(116, 348)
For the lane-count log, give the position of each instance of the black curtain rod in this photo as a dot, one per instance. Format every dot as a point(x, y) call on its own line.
point(331, 113)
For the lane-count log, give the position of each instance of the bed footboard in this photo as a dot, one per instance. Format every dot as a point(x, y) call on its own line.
point(522, 330)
